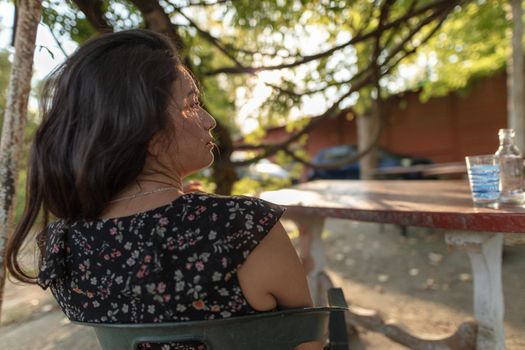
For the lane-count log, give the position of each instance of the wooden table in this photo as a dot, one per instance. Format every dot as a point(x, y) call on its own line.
point(444, 204)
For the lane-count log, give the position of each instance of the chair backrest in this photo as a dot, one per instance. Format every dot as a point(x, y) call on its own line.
point(281, 330)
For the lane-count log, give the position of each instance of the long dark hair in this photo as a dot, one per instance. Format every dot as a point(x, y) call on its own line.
point(100, 110)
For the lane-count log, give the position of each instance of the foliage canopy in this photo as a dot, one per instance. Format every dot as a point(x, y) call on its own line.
point(329, 54)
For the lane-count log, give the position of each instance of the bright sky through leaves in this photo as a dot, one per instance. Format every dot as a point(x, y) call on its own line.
point(250, 99)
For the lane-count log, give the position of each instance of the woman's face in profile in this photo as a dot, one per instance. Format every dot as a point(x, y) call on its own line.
point(190, 148)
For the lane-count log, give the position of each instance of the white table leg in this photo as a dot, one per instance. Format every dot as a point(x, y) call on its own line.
point(484, 251)
point(313, 256)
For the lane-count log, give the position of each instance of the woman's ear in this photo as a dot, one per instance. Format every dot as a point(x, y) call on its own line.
point(156, 144)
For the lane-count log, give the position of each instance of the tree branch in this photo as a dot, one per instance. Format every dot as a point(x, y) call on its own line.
point(347, 160)
point(331, 112)
point(59, 44)
point(211, 39)
point(384, 13)
point(396, 50)
point(199, 3)
point(228, 48)
point(157, 20)
point(438, 6)
point(376, 75)
point(92, 9)
point(402, 45)
point(368, 18)
point(275, 53)
point(293, 93)
point(382, 70)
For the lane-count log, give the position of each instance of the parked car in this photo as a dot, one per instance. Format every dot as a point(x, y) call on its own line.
point(386, 159)
point(267, 169)
point(262, 170)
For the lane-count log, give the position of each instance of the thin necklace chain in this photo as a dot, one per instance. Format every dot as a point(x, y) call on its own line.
point(140, 194)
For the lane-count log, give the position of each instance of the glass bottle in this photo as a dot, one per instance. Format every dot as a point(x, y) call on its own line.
point(511, 168)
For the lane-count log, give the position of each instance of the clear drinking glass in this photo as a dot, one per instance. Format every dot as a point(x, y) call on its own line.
point(483, 174)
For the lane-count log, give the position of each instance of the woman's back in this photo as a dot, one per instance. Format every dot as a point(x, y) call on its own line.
point(182, 256)
point(177, 262)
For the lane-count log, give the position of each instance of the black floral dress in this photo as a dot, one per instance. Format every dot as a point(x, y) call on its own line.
point(174, 263)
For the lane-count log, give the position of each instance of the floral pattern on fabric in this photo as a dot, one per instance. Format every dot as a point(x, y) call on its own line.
point(174, 263)
point(53, 262)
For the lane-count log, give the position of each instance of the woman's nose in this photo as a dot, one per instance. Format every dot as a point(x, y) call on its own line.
point(210, 122)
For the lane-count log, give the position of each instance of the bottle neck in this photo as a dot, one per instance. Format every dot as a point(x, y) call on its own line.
point(506, 141)
point(506, 137)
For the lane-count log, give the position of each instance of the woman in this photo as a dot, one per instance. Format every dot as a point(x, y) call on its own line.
point(122, 126)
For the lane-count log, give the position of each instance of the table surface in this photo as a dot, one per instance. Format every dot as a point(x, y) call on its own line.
point(441, 204)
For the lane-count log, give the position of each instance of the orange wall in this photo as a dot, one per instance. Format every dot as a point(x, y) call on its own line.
point(444, 129)
point(448, 128)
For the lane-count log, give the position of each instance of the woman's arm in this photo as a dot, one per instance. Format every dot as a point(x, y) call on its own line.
point(273, 276)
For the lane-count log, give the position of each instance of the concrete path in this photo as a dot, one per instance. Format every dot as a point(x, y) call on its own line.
point(50, 331)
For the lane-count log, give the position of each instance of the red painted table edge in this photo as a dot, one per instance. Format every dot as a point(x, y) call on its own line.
point(506, 222)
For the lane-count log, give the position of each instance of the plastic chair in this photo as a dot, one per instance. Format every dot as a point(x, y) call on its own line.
point(281, 330)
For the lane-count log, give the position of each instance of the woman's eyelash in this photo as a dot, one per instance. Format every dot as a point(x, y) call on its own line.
point(193, 102)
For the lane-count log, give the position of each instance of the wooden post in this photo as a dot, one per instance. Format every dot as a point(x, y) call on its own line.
point(515, 77)
point(29, 12)
point(366, 129)
point(484, 251)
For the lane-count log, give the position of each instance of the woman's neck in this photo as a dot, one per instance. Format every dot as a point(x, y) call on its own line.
point(147, 192)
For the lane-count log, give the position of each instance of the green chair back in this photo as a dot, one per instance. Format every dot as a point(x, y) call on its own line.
point(280, 330)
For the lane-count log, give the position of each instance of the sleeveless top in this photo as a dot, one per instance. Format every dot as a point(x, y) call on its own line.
point(174, 263)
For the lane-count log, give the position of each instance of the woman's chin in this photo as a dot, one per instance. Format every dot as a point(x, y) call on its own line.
point(207, 164)
point(211, 161)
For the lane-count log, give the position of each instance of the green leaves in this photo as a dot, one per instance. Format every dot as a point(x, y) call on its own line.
point(322, 44)
point(473, 42)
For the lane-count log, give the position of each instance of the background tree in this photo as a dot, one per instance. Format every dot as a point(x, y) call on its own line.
point(229, 44)
point(472, 43)
point(14, 119)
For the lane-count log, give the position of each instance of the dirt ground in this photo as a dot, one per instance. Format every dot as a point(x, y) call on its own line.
point(414, 280)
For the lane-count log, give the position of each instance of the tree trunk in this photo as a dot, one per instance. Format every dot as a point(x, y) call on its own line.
point(367, 135)
point(365, 131)
point(29, 12)
point(515, 77)
point(224, 174)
